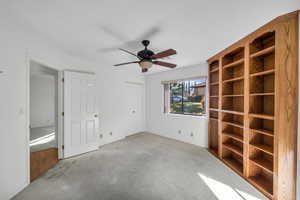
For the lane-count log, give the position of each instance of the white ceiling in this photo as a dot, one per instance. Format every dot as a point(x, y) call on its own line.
point(197, 29)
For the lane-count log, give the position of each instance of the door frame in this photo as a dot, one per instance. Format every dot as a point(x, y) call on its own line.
point(59, 120)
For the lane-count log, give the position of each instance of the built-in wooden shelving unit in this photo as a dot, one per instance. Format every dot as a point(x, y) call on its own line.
point(253, 107)
point(214, 107)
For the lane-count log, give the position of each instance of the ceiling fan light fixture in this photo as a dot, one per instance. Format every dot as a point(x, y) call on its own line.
point(145, 64)
point(146, 57)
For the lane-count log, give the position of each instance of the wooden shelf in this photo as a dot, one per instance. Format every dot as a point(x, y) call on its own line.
point(234, 79)
point(263, 52)
point(262, 131)
point(234, 136)
point(262, 116)
point(271, 71)
point(263, 163)
point(234, 148)
point(263, 184)
point(214, 96)
point(214, 109)
point(233, 64)
point(233, 95)
point(215, 119)
point(236, 124)
point(214, 70)
point(232, 112)
point(234, 164)
point(215, 83)
point(265, 148)
point(263, 94)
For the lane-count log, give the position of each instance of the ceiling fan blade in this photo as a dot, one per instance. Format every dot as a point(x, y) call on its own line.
point(126, 63)
point(129, 52)
point(165, 64)
point(163, 54)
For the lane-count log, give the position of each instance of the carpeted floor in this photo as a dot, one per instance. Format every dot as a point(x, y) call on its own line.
point(141, 167)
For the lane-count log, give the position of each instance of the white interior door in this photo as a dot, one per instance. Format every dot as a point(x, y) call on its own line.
point(80, 114)
point(135, 108)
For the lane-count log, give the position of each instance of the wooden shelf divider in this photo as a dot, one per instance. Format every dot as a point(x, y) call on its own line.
point(263, 52)
point(236, 124)
point(233, 95)
point(262, 184)
point(271, 71)
point(233, 64)
point(215, 83)
point(234, 148)
point(263, 163)
point(235, 165)
point(264, 148)
point(262, 131)
point(232, 112)
point(263, 94)
point(262, 116)
point(214, 70)
point(233, 79)
point(234, 136)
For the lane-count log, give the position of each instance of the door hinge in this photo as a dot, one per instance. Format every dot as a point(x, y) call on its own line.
point(63, 113)
point(63, 147)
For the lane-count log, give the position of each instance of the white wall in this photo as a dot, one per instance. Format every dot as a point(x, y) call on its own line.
point(168, 125)
point(42, 100)
point(18, 44)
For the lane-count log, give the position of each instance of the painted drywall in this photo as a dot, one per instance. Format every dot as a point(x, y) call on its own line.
point(115, 112)
point(168, 125)
point(197, 29)
point(42, 101)
point(19, 43)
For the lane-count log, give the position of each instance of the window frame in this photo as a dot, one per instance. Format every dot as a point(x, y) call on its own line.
point(167, 96)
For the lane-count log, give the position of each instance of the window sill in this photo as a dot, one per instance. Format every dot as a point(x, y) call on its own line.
point(189, 116)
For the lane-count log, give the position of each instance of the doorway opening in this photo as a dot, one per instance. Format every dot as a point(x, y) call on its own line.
point(43, 119)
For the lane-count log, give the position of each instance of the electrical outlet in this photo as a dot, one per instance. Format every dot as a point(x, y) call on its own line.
point(179, 131)
point(110, 133)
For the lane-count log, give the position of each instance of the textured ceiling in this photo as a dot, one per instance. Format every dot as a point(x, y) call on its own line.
point(93, 29)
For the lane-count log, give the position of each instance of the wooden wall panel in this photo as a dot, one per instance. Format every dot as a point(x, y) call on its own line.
point(286, 108)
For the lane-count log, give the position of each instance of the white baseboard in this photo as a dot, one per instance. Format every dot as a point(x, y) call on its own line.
point(19, 189)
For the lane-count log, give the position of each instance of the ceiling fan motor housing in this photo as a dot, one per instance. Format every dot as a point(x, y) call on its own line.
point(145, 54)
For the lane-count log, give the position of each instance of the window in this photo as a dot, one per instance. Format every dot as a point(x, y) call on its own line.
point(185, 97)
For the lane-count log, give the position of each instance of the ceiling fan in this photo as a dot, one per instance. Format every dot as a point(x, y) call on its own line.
point(147, 57)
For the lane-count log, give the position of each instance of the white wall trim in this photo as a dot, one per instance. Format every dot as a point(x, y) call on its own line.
point(19, 189)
